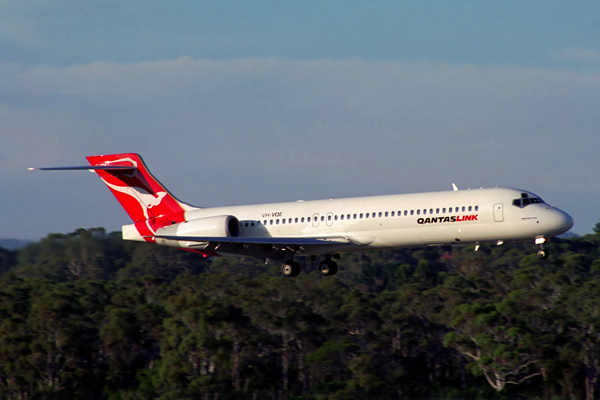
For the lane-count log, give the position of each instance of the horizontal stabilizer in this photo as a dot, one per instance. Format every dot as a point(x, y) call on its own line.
point(122, 168)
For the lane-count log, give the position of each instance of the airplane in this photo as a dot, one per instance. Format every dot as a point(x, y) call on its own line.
point(282, 231)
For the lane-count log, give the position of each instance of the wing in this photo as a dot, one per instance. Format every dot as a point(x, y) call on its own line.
point(269, 247)
point(278, 241)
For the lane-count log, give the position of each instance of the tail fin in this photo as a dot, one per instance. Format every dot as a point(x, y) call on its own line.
point(148, 203)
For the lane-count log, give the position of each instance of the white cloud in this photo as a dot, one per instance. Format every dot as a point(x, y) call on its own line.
point(578, 54)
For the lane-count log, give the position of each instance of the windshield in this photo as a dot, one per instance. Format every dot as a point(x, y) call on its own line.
point(526, 200)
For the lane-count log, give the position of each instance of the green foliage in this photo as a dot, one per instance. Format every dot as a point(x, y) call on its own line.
point(86, 315)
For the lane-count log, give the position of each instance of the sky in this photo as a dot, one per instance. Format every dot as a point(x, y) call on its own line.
point(244, 102)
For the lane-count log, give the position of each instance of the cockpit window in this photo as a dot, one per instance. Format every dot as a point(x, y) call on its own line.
point(526, 200)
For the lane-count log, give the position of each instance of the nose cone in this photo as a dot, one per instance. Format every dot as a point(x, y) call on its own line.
point(560, 222)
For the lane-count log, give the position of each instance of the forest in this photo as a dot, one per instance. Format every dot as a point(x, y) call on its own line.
point(86, 315)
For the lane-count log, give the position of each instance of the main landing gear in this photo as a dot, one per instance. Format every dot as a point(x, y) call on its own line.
point(327, 267)
point(290, 269)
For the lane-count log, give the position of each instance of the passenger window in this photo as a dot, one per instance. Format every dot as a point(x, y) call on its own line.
point(424, 212)
point(412, 212)
point(463, 209)
point(431, 211)
point(437, 210)
point(348, 216)
point(342, 217)
point(367, 215)
point(265, 222)
point(449, 209)
point(361, 215)
point(476, 208)
point(290, 220)
point(354, 216)
point(386, 213)
point(470, 208)
point(335, 218)
point(322, 218)
point(296, 220)
point(277, 222)
point(418, 212)
point(444, 210)
point(308, 219)
point(302, 219)
point(271, 222)
point(392, 213)
point(329, 218)
point(405, 213)
point(283, 221)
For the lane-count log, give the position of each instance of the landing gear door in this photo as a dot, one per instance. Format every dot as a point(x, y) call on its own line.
point(498, 212)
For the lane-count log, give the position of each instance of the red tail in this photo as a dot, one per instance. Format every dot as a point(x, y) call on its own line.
point(146, 200)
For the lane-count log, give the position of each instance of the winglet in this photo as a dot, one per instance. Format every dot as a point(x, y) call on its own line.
point(454, 187)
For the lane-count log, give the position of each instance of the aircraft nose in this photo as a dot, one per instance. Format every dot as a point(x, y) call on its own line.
point(561, 221)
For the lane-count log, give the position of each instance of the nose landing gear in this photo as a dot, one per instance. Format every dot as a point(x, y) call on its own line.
point(542, 253)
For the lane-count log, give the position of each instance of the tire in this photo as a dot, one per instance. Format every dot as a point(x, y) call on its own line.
point(324, 268)
point(290, 269)
point(328, 268)
point(543, 254)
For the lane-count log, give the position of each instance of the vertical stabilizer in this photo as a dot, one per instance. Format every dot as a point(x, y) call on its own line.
point(149, 204)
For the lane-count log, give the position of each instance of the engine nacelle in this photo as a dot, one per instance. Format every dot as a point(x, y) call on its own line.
point(217, 226)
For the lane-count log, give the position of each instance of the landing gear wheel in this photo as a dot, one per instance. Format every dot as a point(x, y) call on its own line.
point(328, 268)
point(290, 269)
point(543, 254)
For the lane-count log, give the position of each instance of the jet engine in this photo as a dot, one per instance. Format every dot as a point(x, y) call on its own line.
point(217, 226)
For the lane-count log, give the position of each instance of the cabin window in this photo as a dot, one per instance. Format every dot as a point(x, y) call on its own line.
point(277, 221)
point(354, 216)
point(271, 222)
point(329, 218)
point(335, 218)
point(283, 221)
point(296, 220)
point(418, 212)
point(464, 209)
point(424, 212)
point(308, 219)
point(322, 218)
point(476, 208)
point(361, 216)
point(386, 213)
point(367, 215)
point(412, 212)
point(265, 222)
point(437, 210)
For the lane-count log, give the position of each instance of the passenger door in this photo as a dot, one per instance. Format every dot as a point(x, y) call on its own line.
point(498, 212)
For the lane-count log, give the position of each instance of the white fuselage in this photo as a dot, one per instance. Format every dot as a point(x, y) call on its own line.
point(406, 220)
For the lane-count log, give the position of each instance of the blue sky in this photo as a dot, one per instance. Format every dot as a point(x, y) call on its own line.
point(234, 102)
